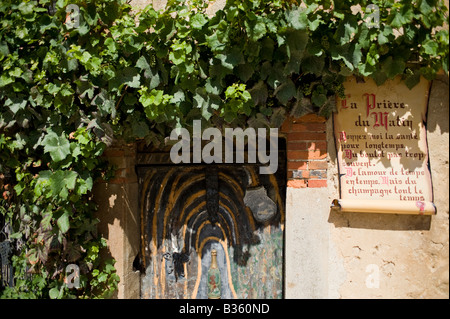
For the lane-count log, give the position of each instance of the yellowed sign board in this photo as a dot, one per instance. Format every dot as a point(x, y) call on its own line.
point(380, 134)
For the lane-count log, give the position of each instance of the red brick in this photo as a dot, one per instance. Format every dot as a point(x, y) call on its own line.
point(297, 146)
point(317, 127)
point(310, 118)
point(120, 172)
point(286, 126)
point(296, 183)
point(119, 152)
point(114, 153)
point(297, 155)
point(317, 174)
point(308, 127)
point(306, 155)
point(317, 146)
point(297, 165)
point(299, 127)
point(316, 183)
point(318, 165)
point(317, 154)
point(119, 180)
point(306, 136)
point(300, 174)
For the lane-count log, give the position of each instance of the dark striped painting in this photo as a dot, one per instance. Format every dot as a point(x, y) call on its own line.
point(186, 211)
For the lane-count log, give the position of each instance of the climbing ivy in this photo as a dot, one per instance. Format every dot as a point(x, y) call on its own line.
point(67, 90)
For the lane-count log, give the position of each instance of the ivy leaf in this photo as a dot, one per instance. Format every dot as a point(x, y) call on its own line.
point(401, 17)
point(102, 277)
point(412, 80)
point(149, 72)
point(70, 178)
point(430, 47)
point(259, 93)
point(231, 58)
point(274, 74)
point(86, 183)
point(318, 99)
point(346, 30)
point(54, 293)
point(379, 77)
point(285, 92)
point(56, 183)
point(5, 80)
point(213, 86)
point(198, 21)
point(313, 64)
point(297, 18)
point(128, 76)
point(314, 24)
point(256, 29)
point(4, 50)
point(200, 101)
point(57, 146)
point(142, 63)
point(258, 121)
point(244, 71)
point(218, 72)
point(140, 129)
point(382, 39)
point(131, 77)
point(296, 40)
point(301, 106)
point(178, 97)
point(16, 103)
point(62, 181)
point(393, 67)
point(214, 42)
point(104, 103)
point(63, 222)
point(265, 50)
point(278, 117)
point(426, 6)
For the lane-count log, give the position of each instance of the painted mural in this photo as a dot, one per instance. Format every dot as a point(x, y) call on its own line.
point(211, 232)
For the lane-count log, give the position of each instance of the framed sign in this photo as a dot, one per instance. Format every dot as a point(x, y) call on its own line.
point(380, 135)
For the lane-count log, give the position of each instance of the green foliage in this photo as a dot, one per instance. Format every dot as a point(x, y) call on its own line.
point(65, 93)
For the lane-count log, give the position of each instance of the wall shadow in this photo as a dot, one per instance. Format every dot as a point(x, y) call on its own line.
point(439, 98)
point(379, 221)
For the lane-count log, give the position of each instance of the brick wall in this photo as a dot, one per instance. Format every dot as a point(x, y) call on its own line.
point(306, 151)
